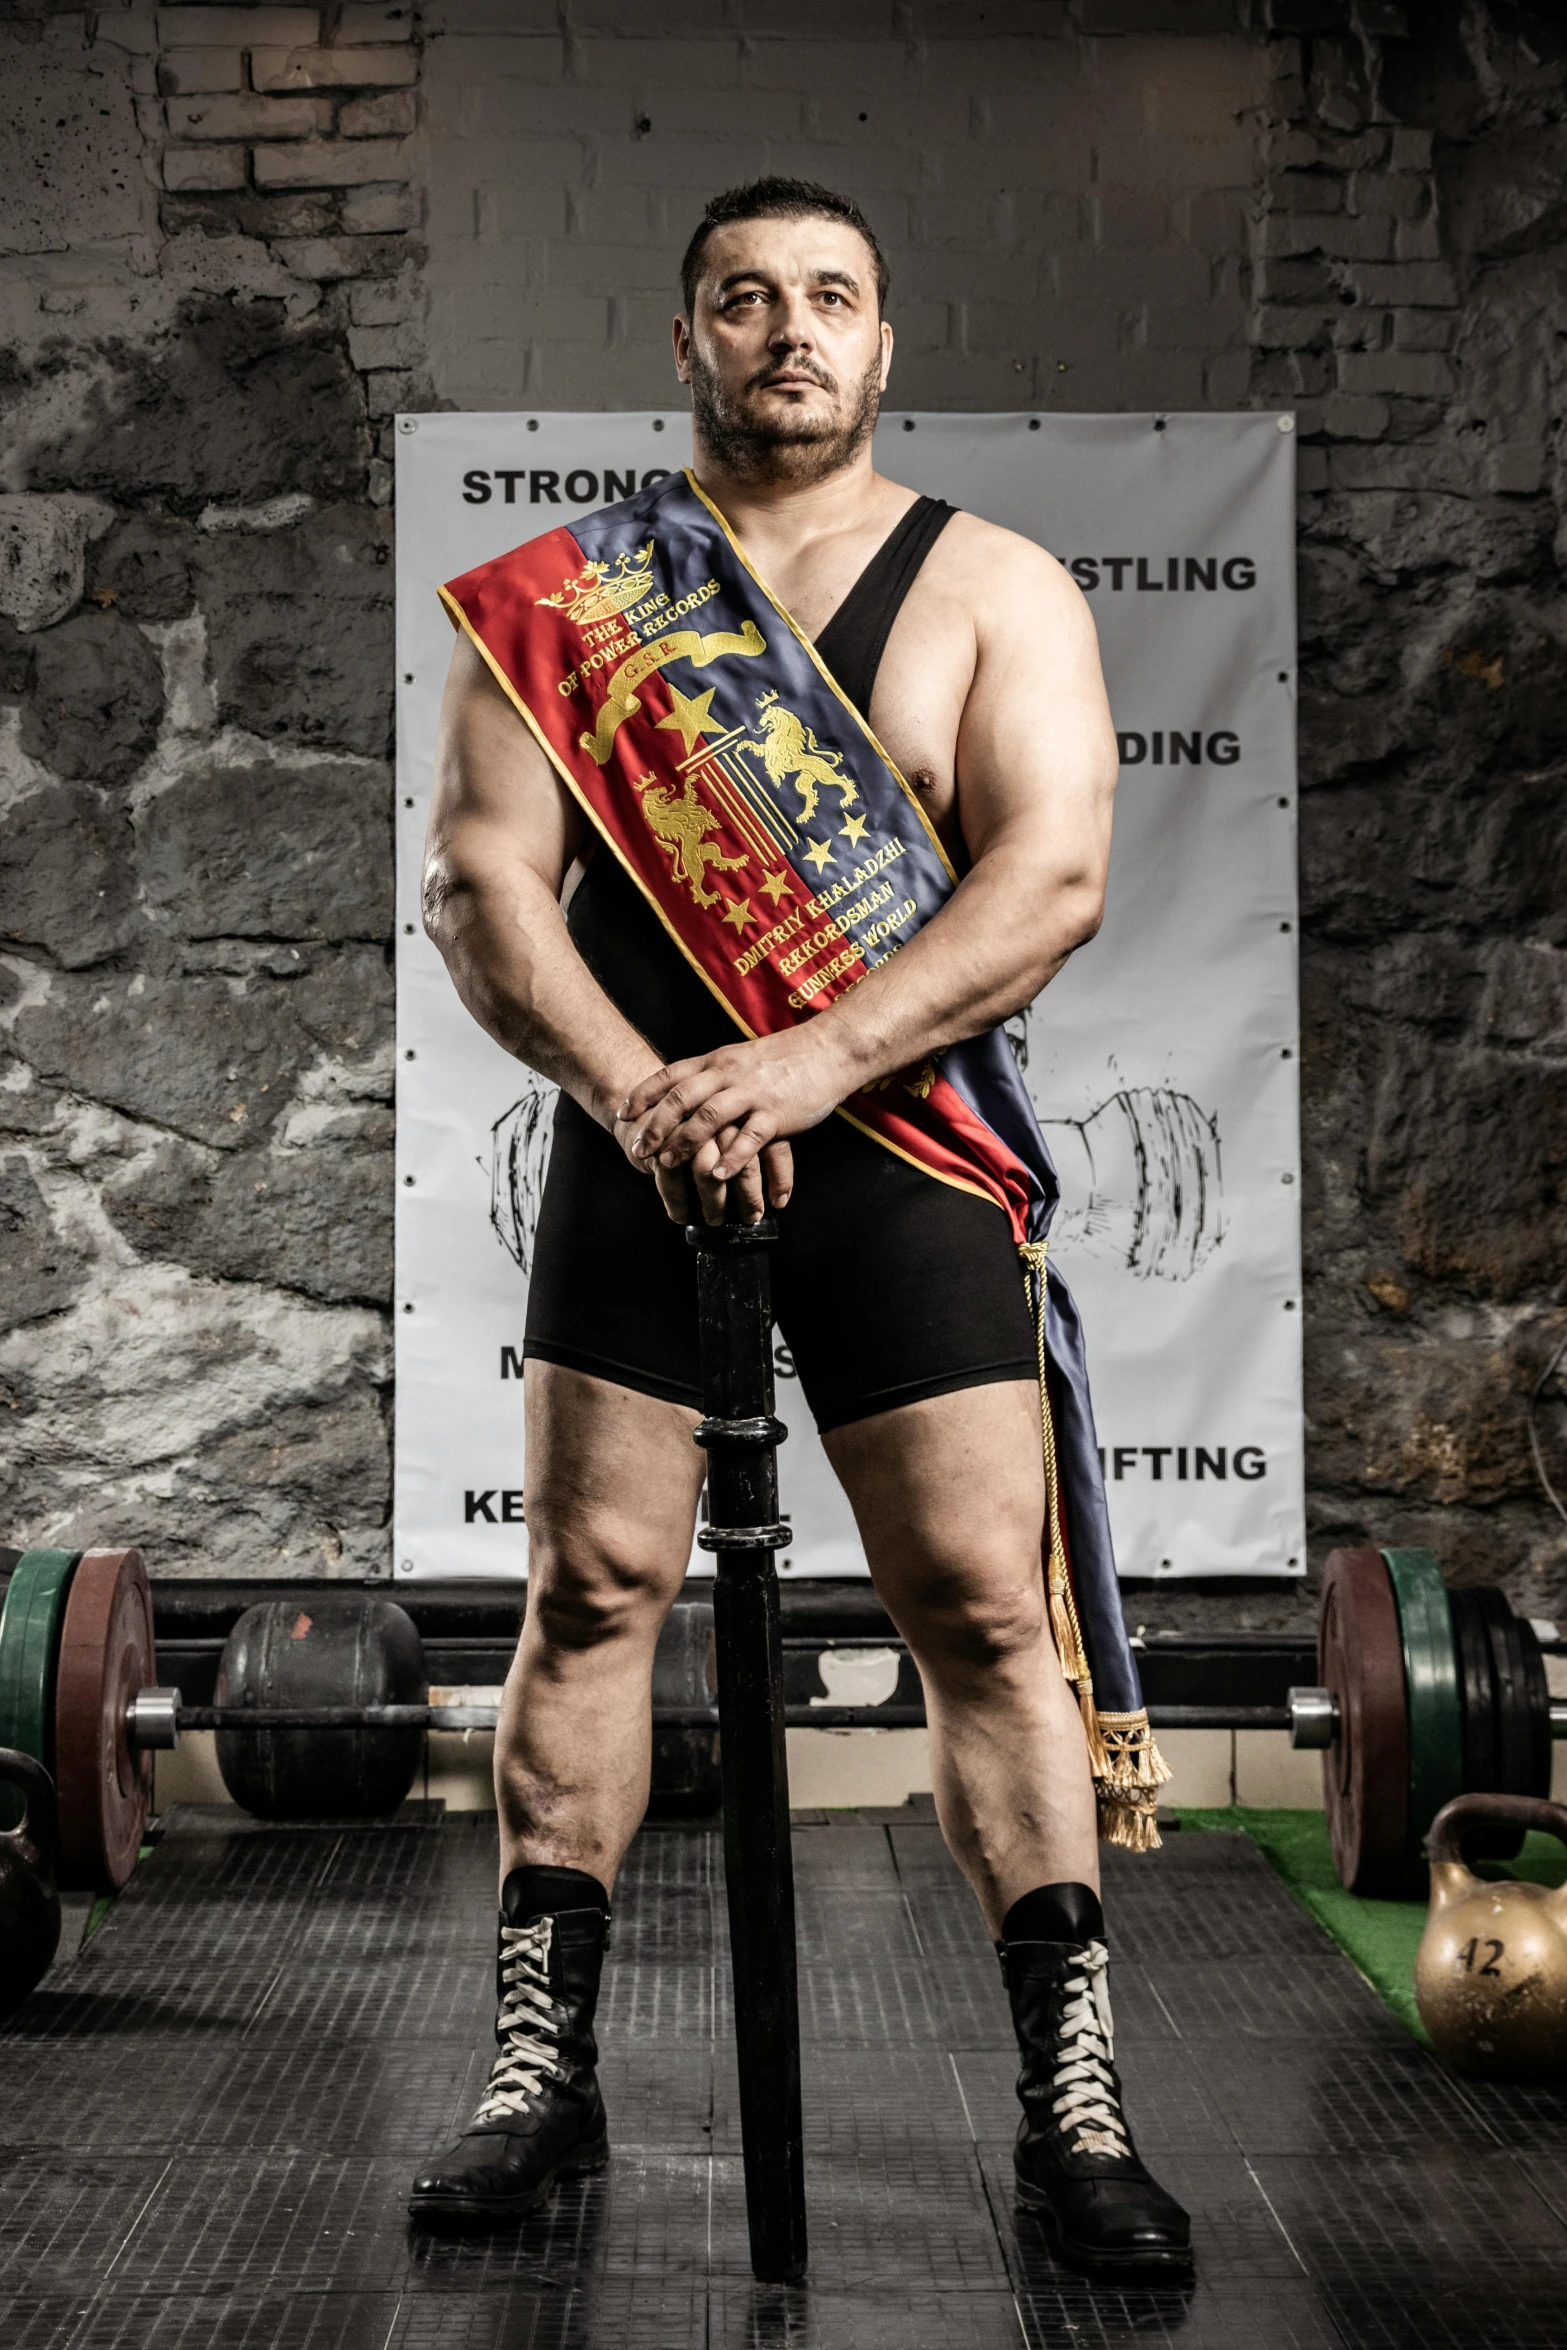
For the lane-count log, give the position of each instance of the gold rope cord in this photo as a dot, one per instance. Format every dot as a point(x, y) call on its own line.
point(1127, 1766)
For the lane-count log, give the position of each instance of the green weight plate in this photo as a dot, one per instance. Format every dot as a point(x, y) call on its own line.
point(29, 1649)
point(1436, 1728)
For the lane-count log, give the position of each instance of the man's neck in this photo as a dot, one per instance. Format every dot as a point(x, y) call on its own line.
point(791, 512)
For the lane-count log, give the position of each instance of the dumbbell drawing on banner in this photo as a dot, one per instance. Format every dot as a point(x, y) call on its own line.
point(1140, 1179)
point(519, 1159)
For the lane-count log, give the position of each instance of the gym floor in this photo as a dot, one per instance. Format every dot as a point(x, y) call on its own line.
point(209, 2115)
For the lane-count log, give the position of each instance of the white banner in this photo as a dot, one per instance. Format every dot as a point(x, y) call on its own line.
point(1162, 1060)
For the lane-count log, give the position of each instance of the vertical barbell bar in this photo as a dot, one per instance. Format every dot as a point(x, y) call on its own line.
point(740, 1436)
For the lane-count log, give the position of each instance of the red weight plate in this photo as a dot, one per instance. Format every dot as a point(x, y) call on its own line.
point(1365, 1773)
point(105, 1784)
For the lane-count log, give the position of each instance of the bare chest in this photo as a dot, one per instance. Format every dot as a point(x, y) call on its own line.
point(921, 688)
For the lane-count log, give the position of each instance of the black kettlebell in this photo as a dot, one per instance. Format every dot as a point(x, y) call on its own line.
point(29, 1895)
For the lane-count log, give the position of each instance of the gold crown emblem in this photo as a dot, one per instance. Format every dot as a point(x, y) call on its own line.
point(597, 593)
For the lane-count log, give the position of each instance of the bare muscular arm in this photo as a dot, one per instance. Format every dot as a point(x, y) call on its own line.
point(1036, 767)
point(504, 833)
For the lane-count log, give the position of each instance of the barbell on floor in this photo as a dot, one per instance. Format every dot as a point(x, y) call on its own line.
point(322, 1705)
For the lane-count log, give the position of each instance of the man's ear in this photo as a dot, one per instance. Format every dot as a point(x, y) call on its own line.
point(682, 341)
point(886, 353)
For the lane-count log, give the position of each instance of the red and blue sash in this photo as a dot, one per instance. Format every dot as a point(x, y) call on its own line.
point(751, 804)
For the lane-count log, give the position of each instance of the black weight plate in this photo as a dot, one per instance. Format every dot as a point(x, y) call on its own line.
point(1537, 1704)
point(1484, 1840)
point(1476, 1693)
point(1514, 1733)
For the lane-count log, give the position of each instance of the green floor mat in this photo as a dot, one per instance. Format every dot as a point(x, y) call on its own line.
point(1379, 1937)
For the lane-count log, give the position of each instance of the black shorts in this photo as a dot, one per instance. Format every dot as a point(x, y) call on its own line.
point(888, 1285)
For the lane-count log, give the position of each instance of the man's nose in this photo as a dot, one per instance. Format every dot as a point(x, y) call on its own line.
point(792, 329)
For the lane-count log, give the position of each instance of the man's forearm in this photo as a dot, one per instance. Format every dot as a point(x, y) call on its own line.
point(514, 965)
point(1001, 937)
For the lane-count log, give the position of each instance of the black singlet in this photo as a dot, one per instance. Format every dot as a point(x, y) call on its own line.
point(932, 1269)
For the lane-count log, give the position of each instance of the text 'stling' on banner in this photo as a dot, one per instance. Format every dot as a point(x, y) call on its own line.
point(1162, 1060)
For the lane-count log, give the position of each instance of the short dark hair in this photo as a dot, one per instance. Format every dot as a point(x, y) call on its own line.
point(775, 198)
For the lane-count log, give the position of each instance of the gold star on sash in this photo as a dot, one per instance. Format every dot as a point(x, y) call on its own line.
point(854, 829)
point(739, 913)
point(777, 885)
point(819, 853)
point(690, 715)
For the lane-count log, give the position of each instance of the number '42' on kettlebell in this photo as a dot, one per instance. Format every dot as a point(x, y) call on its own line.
point(1491, 1976)
point(29, 1896)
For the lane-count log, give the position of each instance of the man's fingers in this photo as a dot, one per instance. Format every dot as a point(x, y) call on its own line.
point(653, 1089)
point(777, 1161)
point(710, 1195)
point(683, 1097)
point(753, 1135)
point(749, 1186)
point(674, 1189)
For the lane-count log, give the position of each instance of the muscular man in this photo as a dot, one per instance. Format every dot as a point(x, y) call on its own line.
point(973, 657)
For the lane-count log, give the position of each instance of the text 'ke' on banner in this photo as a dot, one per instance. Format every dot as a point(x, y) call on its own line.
point(1162, 1060)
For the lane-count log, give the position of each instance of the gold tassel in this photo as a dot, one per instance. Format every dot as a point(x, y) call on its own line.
point(1127, 1766)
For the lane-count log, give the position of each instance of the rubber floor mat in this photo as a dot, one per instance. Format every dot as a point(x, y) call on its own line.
point(210, 2114)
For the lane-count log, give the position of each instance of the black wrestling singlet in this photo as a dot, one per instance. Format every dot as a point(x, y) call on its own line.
point(616, 932)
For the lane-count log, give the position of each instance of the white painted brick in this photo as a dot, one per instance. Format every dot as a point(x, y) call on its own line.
point(1419, 375)
point(123, 28)
point(393, 23)
point(183, 71)
point(330, 258)
point(390, 115)
point(384, 346)
point(1272, 1775)
point(204, 167)
point(337, 163)
point(388, 390)
point(337, 68)
point(1353, 416)
point(381, 302)
point(242, 115)
point(1412, 285)
point(236, 28)
point(380, 211)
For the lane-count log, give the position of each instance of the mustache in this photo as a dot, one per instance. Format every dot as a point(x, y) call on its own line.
point(768, 375)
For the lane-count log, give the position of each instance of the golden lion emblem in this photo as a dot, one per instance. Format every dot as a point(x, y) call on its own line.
point(597, 593)
point(681, 826)
point(791, 754)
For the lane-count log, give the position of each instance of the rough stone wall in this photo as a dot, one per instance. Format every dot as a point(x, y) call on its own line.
point(1410, 301)
point(208, 277)
point(243, 236)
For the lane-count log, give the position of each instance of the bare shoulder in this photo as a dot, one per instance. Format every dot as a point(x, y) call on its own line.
point(1011, 587)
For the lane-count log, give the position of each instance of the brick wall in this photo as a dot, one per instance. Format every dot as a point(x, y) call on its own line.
point(1067, 220)
point(243, 236)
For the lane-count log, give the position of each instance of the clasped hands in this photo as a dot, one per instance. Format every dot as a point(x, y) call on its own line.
point(725, 1117)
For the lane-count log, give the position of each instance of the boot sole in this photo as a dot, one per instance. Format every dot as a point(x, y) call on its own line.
point(490, 2211)
point(1173, 2265)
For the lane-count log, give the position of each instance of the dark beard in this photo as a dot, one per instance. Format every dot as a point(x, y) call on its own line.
point(780, 449)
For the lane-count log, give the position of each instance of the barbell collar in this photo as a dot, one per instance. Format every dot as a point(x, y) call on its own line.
point(775, 1537)
point(758, 1435)
point(1559, 1717)
point(153, 1720)
point(1313, 1717)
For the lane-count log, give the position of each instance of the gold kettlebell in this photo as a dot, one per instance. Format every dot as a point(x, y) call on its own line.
point(1491, 1976)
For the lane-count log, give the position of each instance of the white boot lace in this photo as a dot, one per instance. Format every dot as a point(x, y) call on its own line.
point(528, 2023)
point(1087, 2101)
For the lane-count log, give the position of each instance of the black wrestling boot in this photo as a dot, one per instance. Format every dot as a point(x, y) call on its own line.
point(1075, 2160)
point(541, 2118)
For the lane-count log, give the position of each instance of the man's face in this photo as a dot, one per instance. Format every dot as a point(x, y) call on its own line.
point(786, 353)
